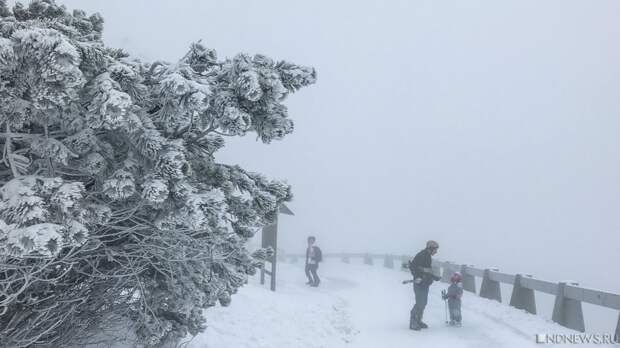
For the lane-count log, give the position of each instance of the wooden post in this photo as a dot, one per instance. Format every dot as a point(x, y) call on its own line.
point(522, 298)
point(567, 312)
point(262, 274)
point(273, 269)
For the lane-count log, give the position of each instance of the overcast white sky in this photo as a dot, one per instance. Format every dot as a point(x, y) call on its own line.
point(490, 126)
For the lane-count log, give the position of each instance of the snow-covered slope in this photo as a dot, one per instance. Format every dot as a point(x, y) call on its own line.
point(360, 306)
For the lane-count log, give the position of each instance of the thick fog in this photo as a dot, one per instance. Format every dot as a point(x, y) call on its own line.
point(491, 127)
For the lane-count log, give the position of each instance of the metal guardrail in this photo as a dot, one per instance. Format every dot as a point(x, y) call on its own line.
point(567, 309)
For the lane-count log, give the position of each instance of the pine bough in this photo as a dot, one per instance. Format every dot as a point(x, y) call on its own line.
point(112, 206)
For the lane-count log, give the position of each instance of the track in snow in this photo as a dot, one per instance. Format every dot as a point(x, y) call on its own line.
point(360, 306)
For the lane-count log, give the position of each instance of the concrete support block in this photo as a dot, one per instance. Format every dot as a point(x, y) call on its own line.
point(617, 335)
point(367, 259)
point(388, 261)
point(281, 256)
point(404, 263)
point(522, 298)
point(447, 272)
point(345, 259)
point(469, 281)
point(490, 288)
point(567, 312)
point(436, 269)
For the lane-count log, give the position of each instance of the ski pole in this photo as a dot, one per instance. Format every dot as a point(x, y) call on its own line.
point(446, 303)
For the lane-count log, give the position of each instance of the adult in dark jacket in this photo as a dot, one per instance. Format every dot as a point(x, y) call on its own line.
point(313, 257)
point(421, 269)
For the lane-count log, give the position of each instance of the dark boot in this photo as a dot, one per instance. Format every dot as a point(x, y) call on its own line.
point(414, 323)
point(420, 322)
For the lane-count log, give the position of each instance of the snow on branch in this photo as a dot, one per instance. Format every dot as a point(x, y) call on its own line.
point(112, 202)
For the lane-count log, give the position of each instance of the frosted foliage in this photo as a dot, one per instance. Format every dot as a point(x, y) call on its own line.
point(51, 148)
point(155, 190)
point(249, 86)
point(93, 163)
point(108, 107)
point(6, 52)
point(50, 73)
point(74, 233)
point(81, 142)
point(236, 121)
point(20, 203)
point(28, 207)
point(68, 195)
point(110, 191)
point(36, 239)
point(120, 186)
point(205, 209)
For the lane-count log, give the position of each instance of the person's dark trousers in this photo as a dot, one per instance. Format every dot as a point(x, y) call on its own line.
point(313, 277)
point(417, 312)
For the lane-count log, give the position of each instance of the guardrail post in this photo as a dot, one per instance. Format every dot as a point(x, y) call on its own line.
point(367, 259)
point(490, 288)
point(617, 335)
point(522, 298)
point(447, 272)
point(345, 259)
point(436, 269)
point(566, 311)
point(293, 259)
point(469, 281)
point(388, 261)
point(404, 262)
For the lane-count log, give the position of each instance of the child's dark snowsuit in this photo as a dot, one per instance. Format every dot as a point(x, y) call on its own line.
point(454, 302)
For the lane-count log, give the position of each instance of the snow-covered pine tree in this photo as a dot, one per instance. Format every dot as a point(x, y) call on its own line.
point(112, 206)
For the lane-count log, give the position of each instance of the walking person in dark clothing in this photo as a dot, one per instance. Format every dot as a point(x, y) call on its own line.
point(423, 277)
point(313, 257)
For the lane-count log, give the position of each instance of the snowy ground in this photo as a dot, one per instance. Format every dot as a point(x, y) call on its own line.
point(360, 306)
